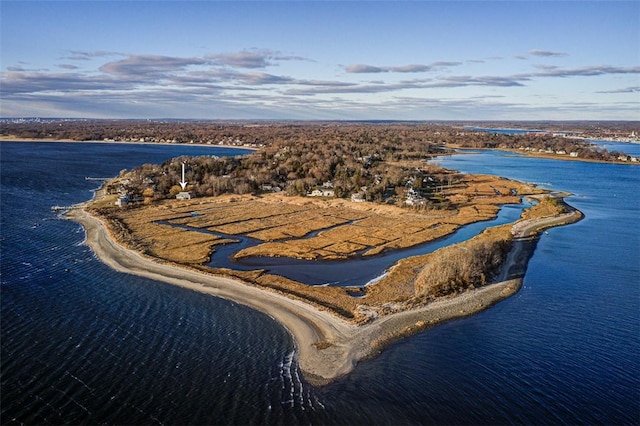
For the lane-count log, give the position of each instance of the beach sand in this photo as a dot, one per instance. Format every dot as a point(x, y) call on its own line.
point(327, 346)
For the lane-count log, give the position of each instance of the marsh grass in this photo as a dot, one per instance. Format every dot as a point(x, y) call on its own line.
point(344, 229)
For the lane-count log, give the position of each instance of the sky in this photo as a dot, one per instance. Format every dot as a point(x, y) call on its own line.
point(322, 60)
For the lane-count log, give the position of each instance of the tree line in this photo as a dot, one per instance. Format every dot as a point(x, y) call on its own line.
point(381, 162)
point(346, 159)
point(264, 133)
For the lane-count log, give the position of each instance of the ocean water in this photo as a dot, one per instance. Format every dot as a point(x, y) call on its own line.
point(82, 344)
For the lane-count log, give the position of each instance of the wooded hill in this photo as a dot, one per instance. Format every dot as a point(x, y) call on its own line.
point(379, 162)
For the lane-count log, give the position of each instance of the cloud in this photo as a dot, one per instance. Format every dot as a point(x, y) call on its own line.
point(633, 89)
point(589, 71)
point(147, 72)
point(238, 82)
point(201, 78)
point(260, 78)
point(221, 76)
point(20, 68)
point(376, 87)
point(517, 80)
point(35, 82)
point(139, 65)
point(80, 55)
point(495, 81)
point(546, 67)
point(363, 69)
point(242, 59)
point(344, 89)
point(443, 64)
point(257, 58)
point(410, 68)
point(326, 83)
point(546, 53)
point(292, 58)
point(370, 69)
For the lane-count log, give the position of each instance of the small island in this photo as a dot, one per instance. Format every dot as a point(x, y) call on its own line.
point(349, 198)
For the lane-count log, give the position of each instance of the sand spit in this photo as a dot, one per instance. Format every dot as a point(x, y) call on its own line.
point(327, 346)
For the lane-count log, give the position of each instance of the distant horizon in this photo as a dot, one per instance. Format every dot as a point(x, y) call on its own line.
point(322, 60)
point(310, 120)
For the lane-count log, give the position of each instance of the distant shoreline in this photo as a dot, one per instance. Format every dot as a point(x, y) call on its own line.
point(547, 156)
point(9, 139)
point(327, 346)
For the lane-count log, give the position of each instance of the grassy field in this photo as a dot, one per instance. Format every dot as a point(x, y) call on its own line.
point(341, 229)
point(188, 232)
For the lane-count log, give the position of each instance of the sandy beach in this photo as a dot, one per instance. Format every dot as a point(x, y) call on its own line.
point(327, 346)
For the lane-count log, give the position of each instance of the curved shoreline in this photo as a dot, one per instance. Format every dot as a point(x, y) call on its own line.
point(546, 156)
point(327, 346)
point(8, 139)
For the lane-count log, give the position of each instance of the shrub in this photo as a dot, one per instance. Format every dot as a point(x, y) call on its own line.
point(463, 266)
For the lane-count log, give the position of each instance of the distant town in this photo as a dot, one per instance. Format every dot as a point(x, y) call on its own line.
point(379, 161)
point(569, 138)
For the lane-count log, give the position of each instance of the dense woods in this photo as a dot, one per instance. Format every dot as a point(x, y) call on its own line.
point(380, 163)
point(558, 137)
point(212, 131)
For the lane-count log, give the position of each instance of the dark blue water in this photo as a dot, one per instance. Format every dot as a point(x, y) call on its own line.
point(82, 344)
point(632, 149)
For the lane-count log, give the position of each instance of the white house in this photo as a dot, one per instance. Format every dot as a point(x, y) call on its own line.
point(358, 197)
point(183, 196)
point(122, 200)
point(412, 198)
point(322, 193)
point(270, 188)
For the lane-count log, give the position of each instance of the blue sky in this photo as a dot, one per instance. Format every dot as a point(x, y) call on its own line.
point(403, 60)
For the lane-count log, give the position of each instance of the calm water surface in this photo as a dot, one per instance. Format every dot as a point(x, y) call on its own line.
point(82, 344)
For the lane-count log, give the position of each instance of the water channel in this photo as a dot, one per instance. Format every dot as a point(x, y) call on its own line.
point(355, 272)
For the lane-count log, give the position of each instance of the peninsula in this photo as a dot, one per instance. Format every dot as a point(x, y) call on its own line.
point(329, 344)
point(351, 198)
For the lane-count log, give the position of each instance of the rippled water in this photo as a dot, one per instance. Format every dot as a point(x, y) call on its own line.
point(82, 344)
